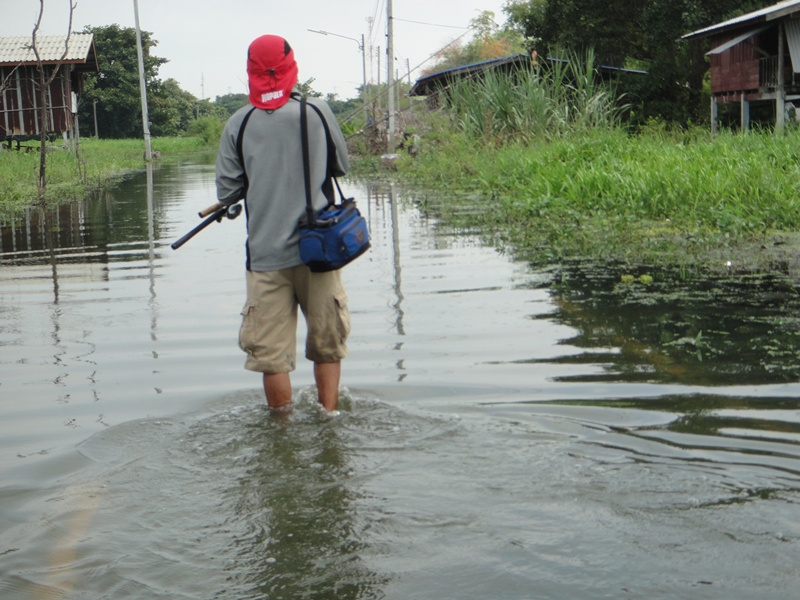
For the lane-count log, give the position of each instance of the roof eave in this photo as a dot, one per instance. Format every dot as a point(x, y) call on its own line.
point(726, 26)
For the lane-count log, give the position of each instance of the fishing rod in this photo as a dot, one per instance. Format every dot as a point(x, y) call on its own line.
point(215, 212)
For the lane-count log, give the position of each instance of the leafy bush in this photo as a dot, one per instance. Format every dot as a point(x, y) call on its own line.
point(208, 128)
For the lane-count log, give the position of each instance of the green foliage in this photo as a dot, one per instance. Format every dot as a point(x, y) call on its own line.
point(622, 32)
point(542, 101)
point(208, 129)
point(489, 41)
point(115, 88)
point(603, 192)
point(170, 108)
point(230, 103)
point(304, 87)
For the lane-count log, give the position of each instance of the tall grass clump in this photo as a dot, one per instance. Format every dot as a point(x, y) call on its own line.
point(561, 98)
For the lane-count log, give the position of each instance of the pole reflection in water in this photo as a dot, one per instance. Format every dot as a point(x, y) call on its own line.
point(388, 197)
point(49, 217)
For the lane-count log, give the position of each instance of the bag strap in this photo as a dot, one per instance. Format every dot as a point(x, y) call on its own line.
point(306, 161)
point(239, 143)
point(331, 152)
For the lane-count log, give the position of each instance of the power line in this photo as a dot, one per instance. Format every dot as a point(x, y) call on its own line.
point(377, 19)
point(431, 24)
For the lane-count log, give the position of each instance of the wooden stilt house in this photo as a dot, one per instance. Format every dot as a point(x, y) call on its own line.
point(73, 56)
point(755, 62)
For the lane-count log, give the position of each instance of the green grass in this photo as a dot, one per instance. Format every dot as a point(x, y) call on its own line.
point(542, 158)
point(69, 177)
point(546, 157)
point(604, 192)
point(535, 103)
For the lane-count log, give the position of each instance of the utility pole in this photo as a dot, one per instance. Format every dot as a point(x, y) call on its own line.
point(371, 52)
point(148, 154)
point(364, 80)
point(390, 76)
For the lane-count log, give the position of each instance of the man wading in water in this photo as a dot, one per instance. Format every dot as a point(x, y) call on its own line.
point(266, 168)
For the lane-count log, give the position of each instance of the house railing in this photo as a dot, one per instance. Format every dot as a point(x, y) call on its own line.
point(768, 72)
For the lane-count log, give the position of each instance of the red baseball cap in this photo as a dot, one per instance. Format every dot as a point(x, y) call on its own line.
point(271, 71)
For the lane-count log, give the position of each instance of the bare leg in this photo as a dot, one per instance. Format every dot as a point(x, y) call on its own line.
point(327, 376)
point(278, 389)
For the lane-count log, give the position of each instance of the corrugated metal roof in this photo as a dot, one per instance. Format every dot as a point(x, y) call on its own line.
point(781, 9)
point(737, 40)
point(427, 85)
point(19, 50)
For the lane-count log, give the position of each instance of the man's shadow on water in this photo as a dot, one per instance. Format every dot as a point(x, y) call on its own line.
point(300, 534)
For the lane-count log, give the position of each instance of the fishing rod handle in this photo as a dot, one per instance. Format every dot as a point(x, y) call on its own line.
point(211, 209)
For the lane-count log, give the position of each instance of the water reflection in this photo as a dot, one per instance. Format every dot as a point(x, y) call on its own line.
point(559, 432)
point(381, 197)
point(710, 330)
point(298, 533)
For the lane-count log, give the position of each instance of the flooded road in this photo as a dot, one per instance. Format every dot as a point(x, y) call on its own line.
point(507, 431)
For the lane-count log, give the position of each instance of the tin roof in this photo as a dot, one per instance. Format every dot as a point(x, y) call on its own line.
point(19, 49)
point(776, 11)
point(429, 84)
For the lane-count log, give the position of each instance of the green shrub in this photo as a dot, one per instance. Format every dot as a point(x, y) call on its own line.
point(208, 128)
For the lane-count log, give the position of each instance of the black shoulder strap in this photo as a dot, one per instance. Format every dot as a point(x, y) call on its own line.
point(327, 188)
point(239, 143)
point(306, 160)
point(328, 137)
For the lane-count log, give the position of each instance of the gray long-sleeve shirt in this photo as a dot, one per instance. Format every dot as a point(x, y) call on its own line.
point(273, 160)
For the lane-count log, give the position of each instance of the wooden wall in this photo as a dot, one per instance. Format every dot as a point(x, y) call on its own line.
point(734, 70)
point(19, 102)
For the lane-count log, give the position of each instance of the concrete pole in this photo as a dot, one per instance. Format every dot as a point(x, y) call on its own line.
point(745, 113)
point(714, 115)
point(148, 154)
point(364, 80)
point(390, 76)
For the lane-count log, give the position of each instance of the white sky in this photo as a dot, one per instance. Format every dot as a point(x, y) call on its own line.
point(206, 41)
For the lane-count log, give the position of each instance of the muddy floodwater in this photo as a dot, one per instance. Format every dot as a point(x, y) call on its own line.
point(507, 431)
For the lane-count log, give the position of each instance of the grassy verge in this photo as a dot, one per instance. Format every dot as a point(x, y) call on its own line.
point(606, 193)
point(541, 157)
point(69, 177)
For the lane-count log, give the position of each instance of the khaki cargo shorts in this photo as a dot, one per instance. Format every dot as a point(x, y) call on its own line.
point(269, 318)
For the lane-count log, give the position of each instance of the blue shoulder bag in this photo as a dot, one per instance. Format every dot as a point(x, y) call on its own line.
point(337, 234)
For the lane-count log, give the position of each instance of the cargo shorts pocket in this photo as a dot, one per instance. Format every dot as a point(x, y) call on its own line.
point(343, 314)
point(248, 329)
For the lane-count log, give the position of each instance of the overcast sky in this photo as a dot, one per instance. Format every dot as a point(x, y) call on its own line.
point(206, 41)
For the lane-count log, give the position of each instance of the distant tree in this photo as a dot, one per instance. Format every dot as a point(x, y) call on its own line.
point(344, 107)
point(304, 87)
point(115, 88)
point(230, 103)
point(170, 108)
point(489, 41)
point(622, 33)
